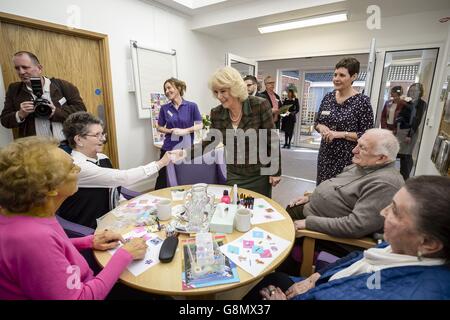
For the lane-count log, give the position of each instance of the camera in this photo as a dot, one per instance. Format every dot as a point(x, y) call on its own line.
point(42, 107)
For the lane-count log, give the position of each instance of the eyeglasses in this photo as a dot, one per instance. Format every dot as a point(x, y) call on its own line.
point(98, 135)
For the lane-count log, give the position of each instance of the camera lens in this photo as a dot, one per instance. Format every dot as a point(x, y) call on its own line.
point(42, 109)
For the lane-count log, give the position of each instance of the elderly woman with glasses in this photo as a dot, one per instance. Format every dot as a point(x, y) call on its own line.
point(413, 264)
point(97, 193)
point(37, 259)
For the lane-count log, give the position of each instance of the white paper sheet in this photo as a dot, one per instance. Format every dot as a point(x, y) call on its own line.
point(263, 212)
point(255, 250)
point(151, 257)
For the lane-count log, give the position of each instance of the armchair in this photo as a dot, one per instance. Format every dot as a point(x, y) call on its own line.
point(309, 242)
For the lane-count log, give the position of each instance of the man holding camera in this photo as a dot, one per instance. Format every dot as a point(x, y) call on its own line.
point(38, 105)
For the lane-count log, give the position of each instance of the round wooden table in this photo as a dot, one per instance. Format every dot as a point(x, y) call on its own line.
point(165, 278)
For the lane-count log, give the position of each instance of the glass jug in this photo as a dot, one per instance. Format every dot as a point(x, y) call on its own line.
point(199, 207)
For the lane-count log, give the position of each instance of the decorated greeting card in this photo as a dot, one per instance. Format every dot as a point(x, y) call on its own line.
point(255, 250)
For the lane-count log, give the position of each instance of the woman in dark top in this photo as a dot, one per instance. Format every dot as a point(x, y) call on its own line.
point(392, 109)
point(177, 119)
point(410, 119)
point(289, 119)
point(344, 115)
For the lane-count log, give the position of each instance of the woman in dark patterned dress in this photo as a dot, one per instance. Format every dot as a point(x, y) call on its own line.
point(344, 115)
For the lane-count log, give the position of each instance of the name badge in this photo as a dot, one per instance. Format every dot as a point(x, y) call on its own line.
point(170, 113)
point(325, 113)
point(62, 101)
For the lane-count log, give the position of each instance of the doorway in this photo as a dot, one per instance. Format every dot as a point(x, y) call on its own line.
point(80, 57)
point(315, 75)
point(403, 100)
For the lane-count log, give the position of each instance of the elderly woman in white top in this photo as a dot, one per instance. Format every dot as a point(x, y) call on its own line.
point(98, 181)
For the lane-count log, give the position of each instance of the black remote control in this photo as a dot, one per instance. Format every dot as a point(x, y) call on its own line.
point(168, 248)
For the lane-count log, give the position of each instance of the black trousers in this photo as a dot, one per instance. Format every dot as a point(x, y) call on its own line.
point(161, 181)
point(406, 165)
point(288, 138)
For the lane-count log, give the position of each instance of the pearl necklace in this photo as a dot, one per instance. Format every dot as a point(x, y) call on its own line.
point(238, 117)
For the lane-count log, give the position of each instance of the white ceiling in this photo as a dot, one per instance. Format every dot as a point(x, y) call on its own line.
point(233, 19)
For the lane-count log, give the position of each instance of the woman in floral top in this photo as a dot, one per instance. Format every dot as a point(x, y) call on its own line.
point(344, 115)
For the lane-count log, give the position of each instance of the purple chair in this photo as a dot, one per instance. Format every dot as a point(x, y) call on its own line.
point(74, 230)
point(129, 194)
point(210, 169)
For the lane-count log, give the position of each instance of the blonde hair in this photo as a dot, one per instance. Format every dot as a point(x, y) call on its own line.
point(29, 169)
point(228, 77)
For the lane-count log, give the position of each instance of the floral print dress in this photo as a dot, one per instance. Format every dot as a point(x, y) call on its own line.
point(354, 115)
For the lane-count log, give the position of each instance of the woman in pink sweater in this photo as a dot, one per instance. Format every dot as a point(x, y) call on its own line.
point(37, 259)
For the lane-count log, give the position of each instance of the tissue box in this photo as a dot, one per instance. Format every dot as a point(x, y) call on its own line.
point(223, 218)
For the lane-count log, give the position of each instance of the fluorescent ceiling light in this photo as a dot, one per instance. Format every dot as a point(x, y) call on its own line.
point(304, 22)
point(195, 4)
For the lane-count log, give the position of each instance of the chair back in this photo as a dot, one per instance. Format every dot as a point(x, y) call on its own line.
point(209, 168)
point(74, 230)
point(129, 194)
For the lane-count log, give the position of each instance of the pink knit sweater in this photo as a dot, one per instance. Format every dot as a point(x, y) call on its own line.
point(38, 261)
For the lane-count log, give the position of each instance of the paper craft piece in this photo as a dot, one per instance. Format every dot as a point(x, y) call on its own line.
point(145, 204)
point(233, 249)
point(257, 249)
point(152, 255)
point(258, 234)
point(266, 254)
point(248, 244)
point(263, 212)
point(263, 251)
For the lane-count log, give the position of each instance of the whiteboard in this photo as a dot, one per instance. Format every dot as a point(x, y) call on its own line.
point(151, 67)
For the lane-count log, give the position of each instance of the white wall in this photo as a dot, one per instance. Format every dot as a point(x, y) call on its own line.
point(412, 31)
point(124, 20)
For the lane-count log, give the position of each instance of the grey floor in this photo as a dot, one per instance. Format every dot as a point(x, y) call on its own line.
point(299, 167)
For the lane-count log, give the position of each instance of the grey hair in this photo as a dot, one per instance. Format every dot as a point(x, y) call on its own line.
point(77, 124)
point(386, 143)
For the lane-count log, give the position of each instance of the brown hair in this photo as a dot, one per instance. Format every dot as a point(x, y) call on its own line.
point(180, 85)
point(350, 63)
point(432, 208)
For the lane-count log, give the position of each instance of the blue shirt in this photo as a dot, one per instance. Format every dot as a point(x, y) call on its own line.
point(182, 118)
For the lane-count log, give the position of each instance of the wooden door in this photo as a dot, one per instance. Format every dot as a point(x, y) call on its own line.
point(79, 57)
